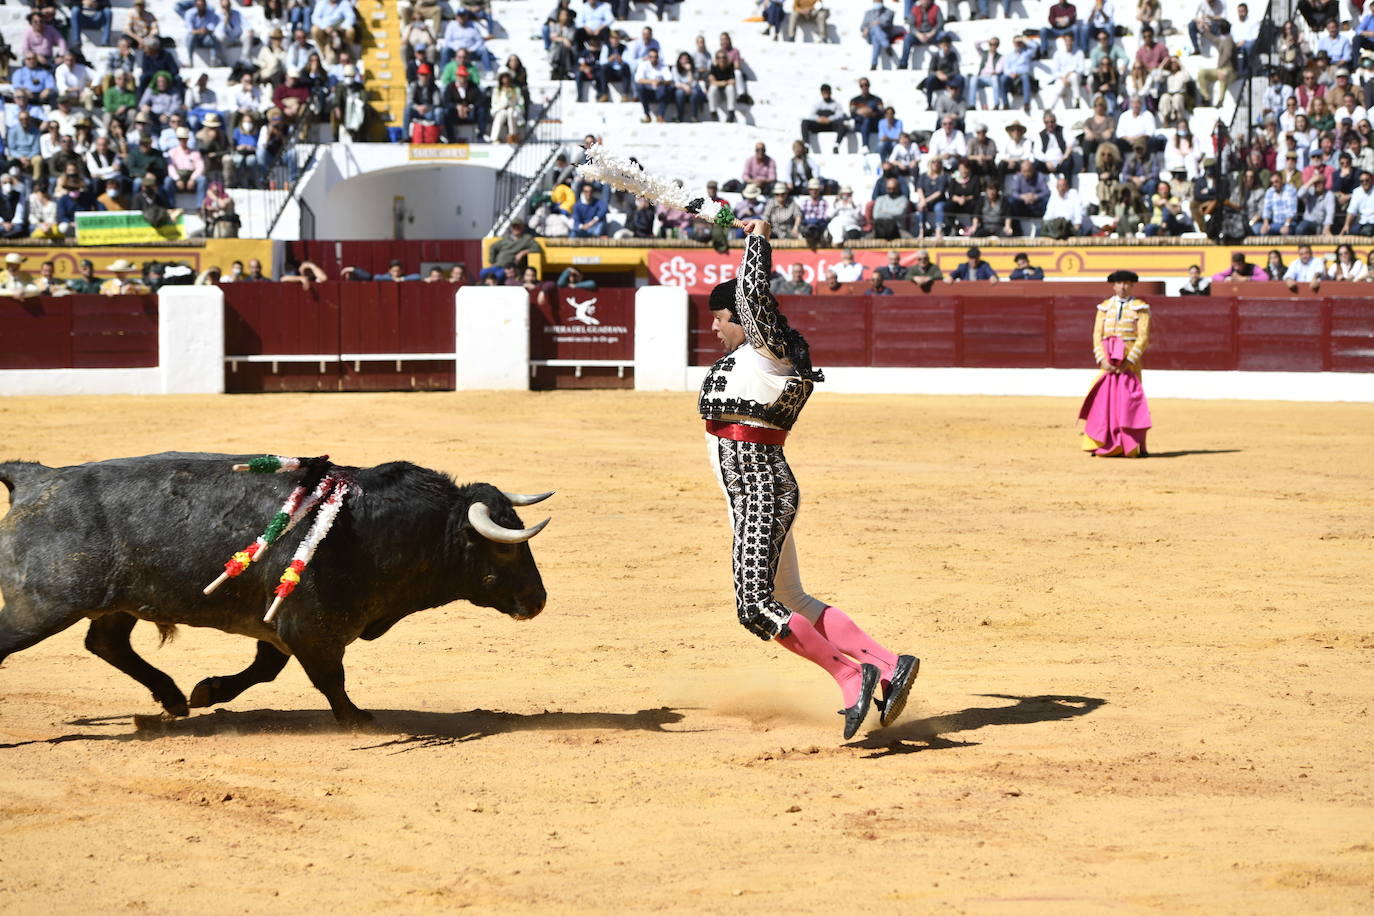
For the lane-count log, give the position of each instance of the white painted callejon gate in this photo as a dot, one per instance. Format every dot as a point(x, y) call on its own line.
point(492, 352)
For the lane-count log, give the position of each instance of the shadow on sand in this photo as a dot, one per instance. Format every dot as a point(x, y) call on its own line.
point(409, 729)
point(929, 734)
point(1183, 453)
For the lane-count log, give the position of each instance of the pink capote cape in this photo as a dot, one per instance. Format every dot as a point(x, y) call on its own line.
point(1115, 412)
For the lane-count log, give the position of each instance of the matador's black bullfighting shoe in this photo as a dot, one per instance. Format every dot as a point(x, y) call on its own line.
point(854, 715)
point(898, 688)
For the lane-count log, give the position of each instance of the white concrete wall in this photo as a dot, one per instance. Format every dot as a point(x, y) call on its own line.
point(661, 341)
point(190, 328)
point(1159, 383)
point(190, 341)
point(492, 346)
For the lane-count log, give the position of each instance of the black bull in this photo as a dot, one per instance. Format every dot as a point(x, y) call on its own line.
point(139, 538)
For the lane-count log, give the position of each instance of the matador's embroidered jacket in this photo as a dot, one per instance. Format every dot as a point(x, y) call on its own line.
point(1128, 319)
point(755, 383)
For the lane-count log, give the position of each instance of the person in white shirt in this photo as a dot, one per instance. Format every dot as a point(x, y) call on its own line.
point(1350, 108)
point(1019, 149)
point(848, 270)
point(1053, 147)
point(1066, 69)
point(247, 97)
point(1137, 122)
point(948, 144)
point(906, 156)
point(75, 77)
point(654, 82)
point(1244, 32)
point(1359, 213)
point(1209, 16)
point(1306, 269)
point(1288, 117)
point(1065, 205)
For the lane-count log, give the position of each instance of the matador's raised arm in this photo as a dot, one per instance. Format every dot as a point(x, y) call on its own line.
point(754, 303)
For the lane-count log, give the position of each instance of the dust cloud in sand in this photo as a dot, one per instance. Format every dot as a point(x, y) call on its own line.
point(1144, 685)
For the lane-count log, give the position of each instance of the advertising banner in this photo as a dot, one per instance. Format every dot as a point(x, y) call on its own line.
point(123, 227)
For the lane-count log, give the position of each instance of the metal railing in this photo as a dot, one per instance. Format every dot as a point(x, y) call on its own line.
point(520, 177)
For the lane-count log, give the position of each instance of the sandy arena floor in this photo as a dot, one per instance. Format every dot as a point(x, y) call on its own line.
point(1145, 685)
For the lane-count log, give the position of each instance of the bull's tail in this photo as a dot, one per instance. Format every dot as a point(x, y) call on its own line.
point(15, 473)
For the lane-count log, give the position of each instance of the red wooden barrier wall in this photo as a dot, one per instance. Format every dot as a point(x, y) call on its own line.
point(374, 256)
point(600, 326)
point(334, 320)
point(78, 332)
point(1291, 334)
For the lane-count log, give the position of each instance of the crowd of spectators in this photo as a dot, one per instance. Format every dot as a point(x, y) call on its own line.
point(1298, 169)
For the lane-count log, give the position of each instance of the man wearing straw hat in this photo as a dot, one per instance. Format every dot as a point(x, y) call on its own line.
point(15, 280)
point(121, 284)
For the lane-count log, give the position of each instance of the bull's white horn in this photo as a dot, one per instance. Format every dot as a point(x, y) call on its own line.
point(481, 520)
point(522, 499)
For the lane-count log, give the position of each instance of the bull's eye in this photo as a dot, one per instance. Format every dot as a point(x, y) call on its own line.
point(488, 581)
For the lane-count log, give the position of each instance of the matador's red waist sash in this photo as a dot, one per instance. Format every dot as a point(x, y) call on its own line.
point(741, 432)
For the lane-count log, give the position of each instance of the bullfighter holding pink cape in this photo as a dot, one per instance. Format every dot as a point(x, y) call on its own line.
point(1115, 414)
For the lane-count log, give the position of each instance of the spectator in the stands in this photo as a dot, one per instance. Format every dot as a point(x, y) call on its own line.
point(974, 268)
point(333, 26)
point(507, 110)
point(155, 59)
point(654, 85)
point(1064, 212)
point(639, 48)
point(89, 14)
point(13, 208)
point(890, 129)
point(721, 81)
point(589, 214)
point(1029, 193)
point(905, 157)
point(925, 25)
point(1137, 123)
point(943, 70)
point(752, 202)
point(186, 169)
point(793, 285)
point(595, 18)
point(923, 271)
point(893, 269)
point(615, 68)
point(565, 50)
point(1067, 69)
point(422, 100)
point(42, 40)
point(462, 33)
point(299, 51)
point(25, 145)
point(1024, 270)
point(1317, 13)
point(1240, 270)
point(587, 71)
point(1305, 270)
point(1196, 284)
point(1151, 53)
point(509, 251)
point(1099, 20)
point(248, 97)
point(1280, 209)
point(1209, 16)
point(948, 144)
point(572, 278)
point(866, 111)
point(1020, 149)
point(891, 211)
point(877, 286)
point(846, 218)
point(1359, 214)
point(1336, 45)
point(463, 105)
point(141, 24)
point(964, 190)
point(1063, 20)
point(877, 28)
point(848, 270)
point(161, 99)
point(783, 213)
point(827, 116)
point(988, 72)
point(1141, 168)
point(688, 97)
point(932, 196)
point(1220, 75)
point(814, 12)
point(801, 168)
point(292, 97)
point(760, 167)
point(35, 79)
point(815, 213)
point(1016, 69)
point(982, 152)
point(201, 22)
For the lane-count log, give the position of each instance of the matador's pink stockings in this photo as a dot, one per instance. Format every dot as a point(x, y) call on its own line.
point(806, 641)
point(835, 625)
